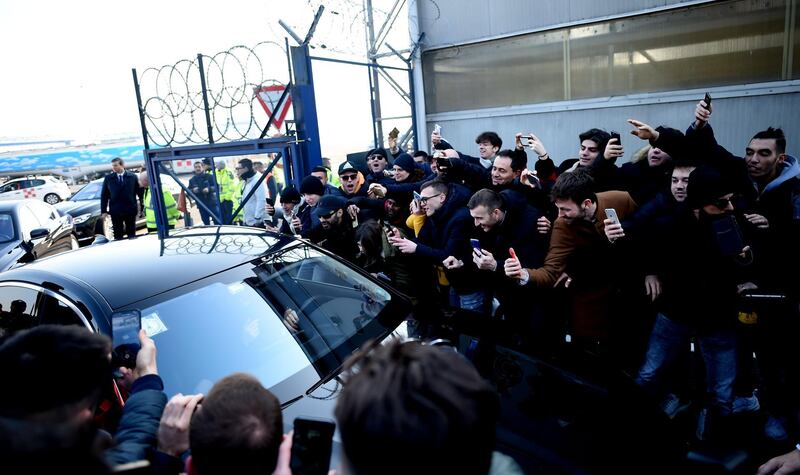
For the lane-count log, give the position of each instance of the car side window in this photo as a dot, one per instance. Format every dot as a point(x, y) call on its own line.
point(44, 214)
point(25, 184)
point(37, 182)
point(22, 308)
point(9, 187)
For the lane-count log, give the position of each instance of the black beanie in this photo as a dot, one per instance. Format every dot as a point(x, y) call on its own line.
point(706, 185)
point(405, 162)
point(290, 195)
point(311, 185)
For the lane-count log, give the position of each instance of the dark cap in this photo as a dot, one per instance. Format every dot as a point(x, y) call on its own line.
point(347, 167)
point(290, 195)
point(330, 204)
point(207, 161)
point(405, 162)
point(320, 168)
point(312, 185)
point(706, 185)
point(378, 151)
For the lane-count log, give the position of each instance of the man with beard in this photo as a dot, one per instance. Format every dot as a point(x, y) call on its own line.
point(338, 233)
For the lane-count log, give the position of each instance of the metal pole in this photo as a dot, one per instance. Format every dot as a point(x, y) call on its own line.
point(205, 97)
point(413, 103)
point(141, 108)
point(375, 95)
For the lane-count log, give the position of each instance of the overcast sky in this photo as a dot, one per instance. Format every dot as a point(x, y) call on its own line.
point(66, 66)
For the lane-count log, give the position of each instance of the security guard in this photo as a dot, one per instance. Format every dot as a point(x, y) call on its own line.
point(149, 210)
point(227, 189)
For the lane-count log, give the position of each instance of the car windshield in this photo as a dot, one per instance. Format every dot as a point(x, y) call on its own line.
point(88, 192)
point(6, 228)
point(295, 310)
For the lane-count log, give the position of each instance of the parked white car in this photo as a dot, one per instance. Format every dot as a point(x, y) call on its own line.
point(46, 188)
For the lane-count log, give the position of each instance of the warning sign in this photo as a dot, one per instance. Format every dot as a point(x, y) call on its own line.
point(269, 96)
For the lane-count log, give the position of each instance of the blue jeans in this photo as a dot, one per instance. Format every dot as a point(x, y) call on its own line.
point(718, 349)
point(477, 301)
point(205, 216)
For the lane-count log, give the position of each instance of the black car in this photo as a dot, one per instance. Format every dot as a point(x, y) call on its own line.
point(30, 230)
point(217, 300)
point(84, 207)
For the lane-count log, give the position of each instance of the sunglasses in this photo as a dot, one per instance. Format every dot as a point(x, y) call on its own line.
point(348, 177)
point(376, 157)
point(722, 203)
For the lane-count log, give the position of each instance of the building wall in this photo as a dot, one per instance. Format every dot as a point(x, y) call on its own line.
point(740, 108)
point(450, 22)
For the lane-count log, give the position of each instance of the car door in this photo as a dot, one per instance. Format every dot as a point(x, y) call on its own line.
point(27, 223)
point(11, 191)
point(37, 188)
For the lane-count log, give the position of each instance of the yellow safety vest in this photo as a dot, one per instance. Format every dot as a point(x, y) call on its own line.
point(226, 184)
point(150, 213)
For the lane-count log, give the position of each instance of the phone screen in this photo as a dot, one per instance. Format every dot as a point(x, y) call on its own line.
point(475, 244)
point(312, 444)
point(615, 135)
point(125, 328)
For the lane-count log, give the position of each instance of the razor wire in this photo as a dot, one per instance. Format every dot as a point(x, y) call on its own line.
point(172, 95)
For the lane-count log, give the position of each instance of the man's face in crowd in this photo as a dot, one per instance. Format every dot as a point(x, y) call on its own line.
point(258, 166)
point(419, 159)
point(392, 209)
point(198, 169)
point(571, 211)
point(400, 174)
point(761, 157)
point(431, 200)
point(331, 220)
point(484, 218)
point(288, 208)
point(502, 174)
point(311, 199)
point(117, 167)
point(323, 177)
point(656, 157)
point(349, 179)
point(486, 150)
point(680, 180)
point(377, 163)
point(722, 205)
point(588, 152)
point(240, 170)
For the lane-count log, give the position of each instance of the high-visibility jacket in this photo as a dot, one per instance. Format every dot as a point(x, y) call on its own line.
point(150, 213)
point(227, 184)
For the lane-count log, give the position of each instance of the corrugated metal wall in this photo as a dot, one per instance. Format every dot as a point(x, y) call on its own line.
point(735, 120)
point(450, 22)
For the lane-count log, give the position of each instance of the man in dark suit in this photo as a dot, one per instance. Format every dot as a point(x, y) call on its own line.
point(118, 198)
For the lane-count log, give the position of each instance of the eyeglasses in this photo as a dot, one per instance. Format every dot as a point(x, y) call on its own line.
point(348, 177)
point(722, 203)
point(425, 199)
point(240, 168)
point(376, 157)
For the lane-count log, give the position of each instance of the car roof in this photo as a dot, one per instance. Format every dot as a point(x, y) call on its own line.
point(9, 205)
point(130, 270)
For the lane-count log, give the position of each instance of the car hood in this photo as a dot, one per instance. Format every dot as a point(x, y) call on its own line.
point(77, 208)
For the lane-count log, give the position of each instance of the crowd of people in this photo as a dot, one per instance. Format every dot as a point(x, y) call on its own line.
point(684, 246)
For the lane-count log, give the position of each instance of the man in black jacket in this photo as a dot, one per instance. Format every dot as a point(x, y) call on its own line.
point(118, 198)
point(444, 240)
point(507, 222)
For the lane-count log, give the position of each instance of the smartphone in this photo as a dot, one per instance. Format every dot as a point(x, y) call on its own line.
point(417, 197)
point(611, 214)
point(729, 237)
point(312, 444)
point(389, 229)
point(707, 100)
point(444, 163)
point(615, 135)
point(271, 202)
point(476, 245)
point(125, 328)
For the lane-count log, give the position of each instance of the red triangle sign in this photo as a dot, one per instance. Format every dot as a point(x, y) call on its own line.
point(269, 96)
